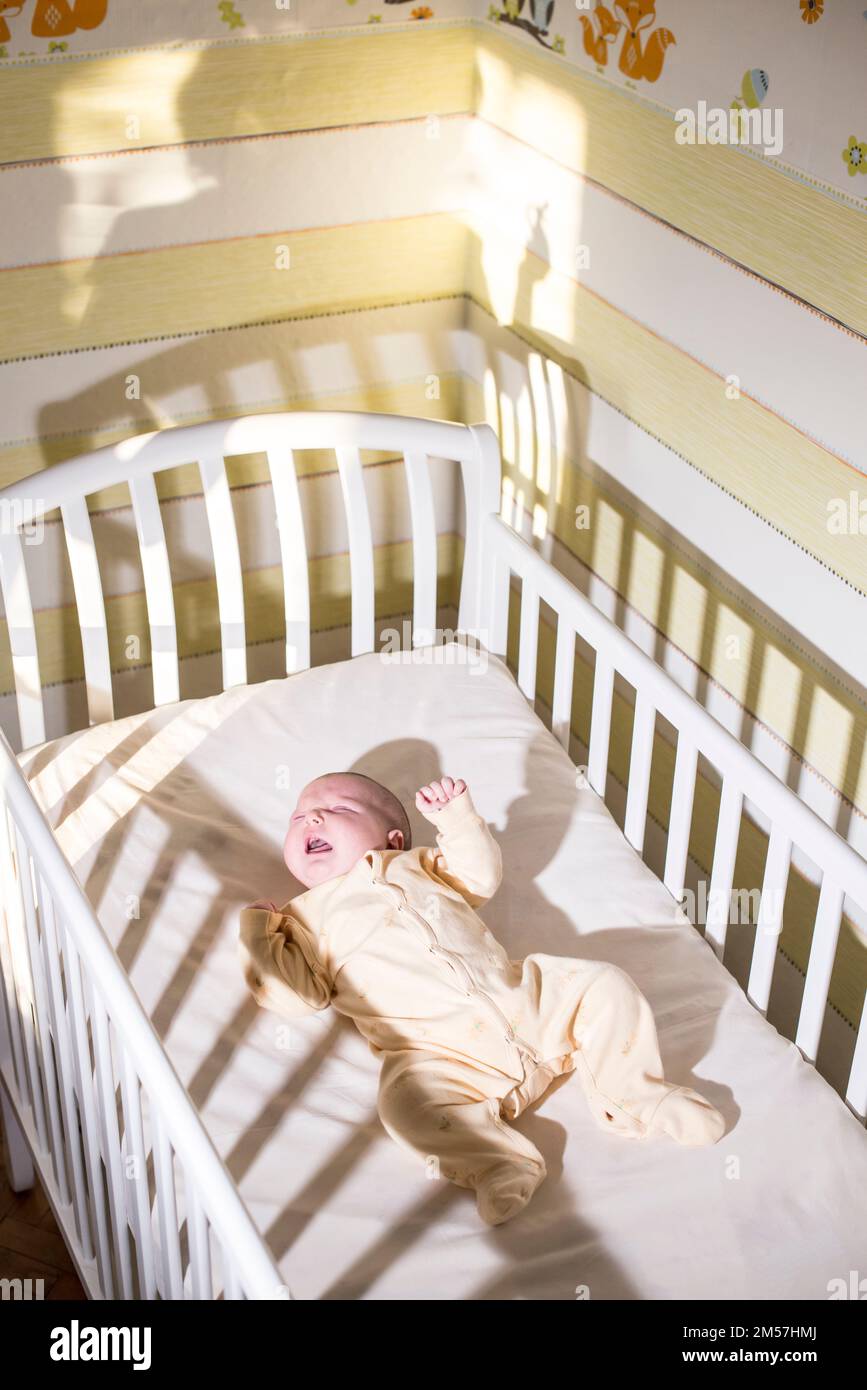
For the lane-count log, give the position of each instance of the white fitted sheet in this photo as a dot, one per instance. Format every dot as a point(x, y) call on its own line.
point(179, 814)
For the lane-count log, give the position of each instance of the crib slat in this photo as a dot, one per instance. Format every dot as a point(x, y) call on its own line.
point(88, 1109)
point(9, 938)
point(15, 903)
point(770, 919)
point(499, 587)
point(134, 1145)
point(826, 932)
point(856, 1091)
point(91, 608)
point(45, 1053)
point(600, 724)
point(233, 1290)
point(200, 1247)
point(640, 759)
point(8, 1019)
point(360, 548)
point(293, 556)
point(424, 548)
point(170, 1251)
point(60, 1028)
point(528, 640)
point(723, 871)
point(227, 569)
point(22, 640)
point(111, 1141)
point(680, 814)
point(468, 610)
point(158, 589)
point(564, 674)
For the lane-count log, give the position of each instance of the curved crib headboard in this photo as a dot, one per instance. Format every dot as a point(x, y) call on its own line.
point(137, 459)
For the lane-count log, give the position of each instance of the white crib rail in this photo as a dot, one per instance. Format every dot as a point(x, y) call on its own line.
point(63, 992)
point(137, 460)
point(844, 872)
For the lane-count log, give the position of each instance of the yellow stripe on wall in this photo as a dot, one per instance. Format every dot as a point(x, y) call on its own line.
point(58, 637)
point(90, 106)
point(140, 295)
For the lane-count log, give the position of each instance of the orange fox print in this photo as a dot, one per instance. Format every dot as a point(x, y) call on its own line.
point(53, 17)
point(596, 44)
point(7, 7)
point(635, 61)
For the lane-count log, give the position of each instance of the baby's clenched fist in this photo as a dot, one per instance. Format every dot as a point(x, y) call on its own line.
point(436, 795)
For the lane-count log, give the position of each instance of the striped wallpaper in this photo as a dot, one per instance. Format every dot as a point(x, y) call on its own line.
point(469, 211)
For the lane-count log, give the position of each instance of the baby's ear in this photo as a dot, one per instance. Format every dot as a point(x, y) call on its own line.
point(395, 839)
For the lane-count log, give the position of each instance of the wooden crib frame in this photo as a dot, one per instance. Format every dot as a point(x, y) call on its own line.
point(79, 1119)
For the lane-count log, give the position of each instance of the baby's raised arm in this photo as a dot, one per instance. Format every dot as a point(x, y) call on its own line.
point(469, 858)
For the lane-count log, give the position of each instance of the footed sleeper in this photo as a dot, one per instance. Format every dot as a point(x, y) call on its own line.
point(468, 1037)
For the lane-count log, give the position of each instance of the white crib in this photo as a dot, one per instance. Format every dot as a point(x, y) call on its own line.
point(78, 1053)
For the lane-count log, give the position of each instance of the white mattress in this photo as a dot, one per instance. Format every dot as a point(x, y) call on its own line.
point(186, 808)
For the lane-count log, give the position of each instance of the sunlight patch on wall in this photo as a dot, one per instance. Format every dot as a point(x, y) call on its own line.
point(646, 573)
point(732, 656)
point(607, 532)
point(831, 729)
point(687, 611)
point(779, 694)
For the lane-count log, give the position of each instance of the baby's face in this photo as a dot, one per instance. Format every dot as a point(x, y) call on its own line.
point(332, 826)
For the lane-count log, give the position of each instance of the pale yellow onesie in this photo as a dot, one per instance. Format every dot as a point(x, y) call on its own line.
point(469, 1037)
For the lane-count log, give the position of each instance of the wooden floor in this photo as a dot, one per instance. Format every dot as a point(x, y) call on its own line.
point(31, 1246)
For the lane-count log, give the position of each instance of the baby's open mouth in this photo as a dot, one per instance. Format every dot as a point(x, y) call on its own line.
point(316, 845)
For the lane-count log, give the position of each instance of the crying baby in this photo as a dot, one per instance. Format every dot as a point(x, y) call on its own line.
point(389, 935)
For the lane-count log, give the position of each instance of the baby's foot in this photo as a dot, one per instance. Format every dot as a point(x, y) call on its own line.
point(505, 1189)
point(687, 1118)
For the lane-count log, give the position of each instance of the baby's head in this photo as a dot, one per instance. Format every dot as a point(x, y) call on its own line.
point(337, 819)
